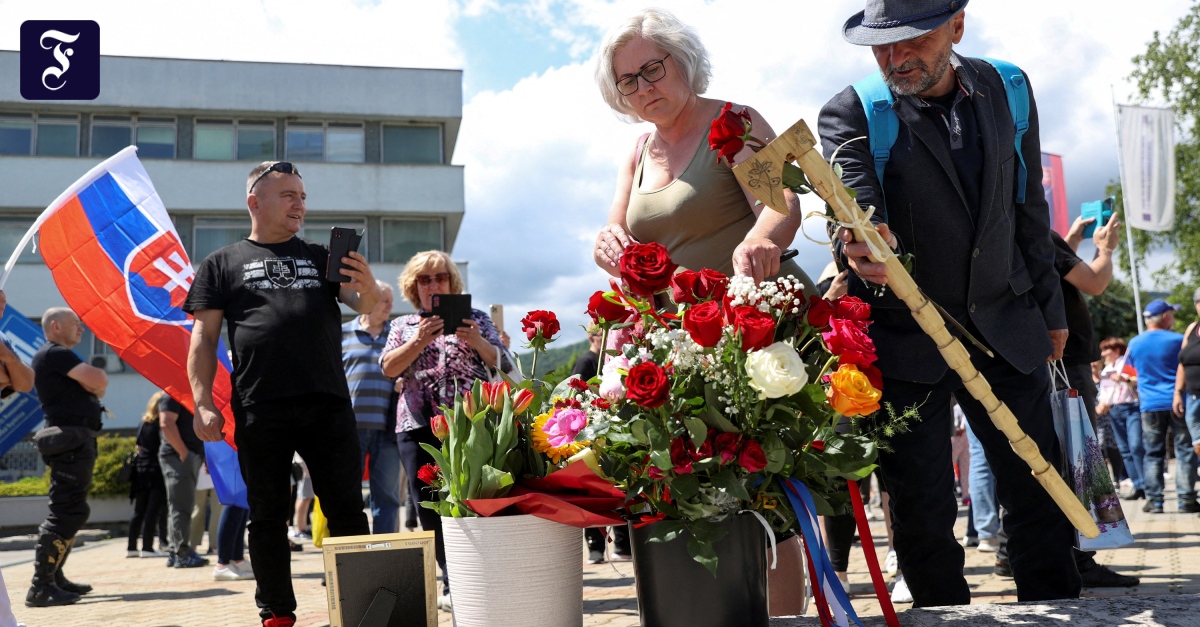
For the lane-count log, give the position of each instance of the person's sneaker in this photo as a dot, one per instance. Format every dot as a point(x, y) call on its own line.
point(226, 573)
point(1153, 507)
point(1002, 569)
point(134, 553)
point(191, 561)
point(299, 535)
point(246, 568)
point(49, 596)
point(150, 554)
point(595, 557)
point(970, 541)
point(1104, 577)
point(900, 591)
point(1189, 507)
point(170, 560)
point(891, 563)
point(618, 556)
point(988, 545)
point(444, 603)
point(279, 621)
point(1133, 495)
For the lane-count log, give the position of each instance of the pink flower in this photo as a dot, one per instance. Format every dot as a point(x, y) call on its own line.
point(612, 388)
point(564, 425)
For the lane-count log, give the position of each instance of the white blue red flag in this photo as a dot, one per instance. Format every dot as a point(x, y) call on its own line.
point(119, 264)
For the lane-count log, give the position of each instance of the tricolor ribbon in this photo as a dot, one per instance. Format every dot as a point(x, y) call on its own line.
point(832, 602)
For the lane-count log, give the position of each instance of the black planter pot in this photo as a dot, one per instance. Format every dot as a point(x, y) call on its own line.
point(675, 591)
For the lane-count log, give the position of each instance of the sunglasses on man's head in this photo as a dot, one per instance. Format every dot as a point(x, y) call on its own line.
point(426, 279)
point(283, 167)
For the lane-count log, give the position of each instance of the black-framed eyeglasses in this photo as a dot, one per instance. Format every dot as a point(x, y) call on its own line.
point(283, 167)
point(652, 73)
point(426, 279)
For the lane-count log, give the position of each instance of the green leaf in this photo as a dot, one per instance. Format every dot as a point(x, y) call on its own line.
point(494, 483)
point(793, 176)
point(664, 531)
point(727, 482)
point(837, 170)
point(661, 459)
point(638, 429)
point(776, 452)
point(697, 429)
point(703, 553)
point(685, 486)
point(713, 416)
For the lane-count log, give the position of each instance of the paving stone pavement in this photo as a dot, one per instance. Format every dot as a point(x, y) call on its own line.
point(142, 592)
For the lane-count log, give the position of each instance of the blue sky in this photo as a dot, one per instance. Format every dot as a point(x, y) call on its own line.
point(536, 196)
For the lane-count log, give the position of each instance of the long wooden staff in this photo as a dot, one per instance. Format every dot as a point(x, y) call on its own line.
point(763, 175)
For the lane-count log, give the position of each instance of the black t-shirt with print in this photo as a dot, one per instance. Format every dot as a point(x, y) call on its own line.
point(1081, 346)
point(283, 317)
point(64, 401)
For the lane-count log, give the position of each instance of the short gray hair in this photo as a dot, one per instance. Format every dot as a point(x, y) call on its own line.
point(1156, 320)
point(54, 314)
point(665, 31)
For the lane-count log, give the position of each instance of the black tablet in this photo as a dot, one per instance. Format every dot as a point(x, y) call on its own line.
point(452, 309)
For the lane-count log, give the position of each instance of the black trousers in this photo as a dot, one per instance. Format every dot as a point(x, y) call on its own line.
point(149, 499)
point(920, 478)
point(412, 456)
point(322, 429)
point(70, 478)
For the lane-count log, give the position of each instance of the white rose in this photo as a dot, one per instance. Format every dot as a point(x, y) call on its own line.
point(776, 371)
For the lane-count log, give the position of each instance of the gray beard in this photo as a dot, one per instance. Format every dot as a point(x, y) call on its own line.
point(911, 87)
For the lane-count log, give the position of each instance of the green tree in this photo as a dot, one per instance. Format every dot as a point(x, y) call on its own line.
point(1113, 313)
point(1169, 72)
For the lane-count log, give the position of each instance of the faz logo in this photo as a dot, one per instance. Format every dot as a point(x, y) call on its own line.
point(60, 60)
point(281, 272)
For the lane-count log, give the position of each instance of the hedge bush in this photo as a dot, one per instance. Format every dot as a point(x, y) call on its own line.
point(111, 452)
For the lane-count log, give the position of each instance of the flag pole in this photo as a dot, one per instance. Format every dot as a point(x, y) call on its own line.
point(1137, 295)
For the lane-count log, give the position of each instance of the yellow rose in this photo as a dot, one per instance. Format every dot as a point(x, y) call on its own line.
point(851, 393)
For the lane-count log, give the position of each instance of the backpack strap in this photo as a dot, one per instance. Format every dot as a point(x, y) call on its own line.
point(1017, 91)
point(882, 124)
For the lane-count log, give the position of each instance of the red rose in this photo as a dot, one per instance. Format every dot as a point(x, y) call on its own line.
point(817, 445)
point(647, 268)
point(819, 312)
point(603, 310)
point(692, 287)
point(569, 403)
point(540, 322)
point(600, 403)
point(647, 385)
point(703, 322)
point(752, 457)
point(578, 383)
point(655, 473)
point(873, 375)
point(851, 308)
point(428, 473)
point(757, 327)
point(848, 340)
point(682, 455)
point(704, 452)
point(726, 445)
point(729, 132)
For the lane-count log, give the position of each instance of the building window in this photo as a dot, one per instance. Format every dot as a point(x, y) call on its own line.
point(412, 144)
point(317, 230)
point(39, 134)
point(212, 234)
point(11, 232)
point(404, 238)
point(154, 137)
point(243, 140)
point(317, 141)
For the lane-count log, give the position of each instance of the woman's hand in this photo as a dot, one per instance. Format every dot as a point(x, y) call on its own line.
point(756, 257)
point(1101, 408)
point(610, 243)
point(471, 334)
point(428, 329)
point(1178, 404)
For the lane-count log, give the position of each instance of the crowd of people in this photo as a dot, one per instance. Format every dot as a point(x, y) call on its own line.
point(362, 394)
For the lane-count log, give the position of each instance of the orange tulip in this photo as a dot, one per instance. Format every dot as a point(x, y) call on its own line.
point(521, 401)
point(494, 393)
point(440, 426)
point(851, 393)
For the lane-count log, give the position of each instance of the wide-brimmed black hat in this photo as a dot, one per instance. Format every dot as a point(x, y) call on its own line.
point(890, 21)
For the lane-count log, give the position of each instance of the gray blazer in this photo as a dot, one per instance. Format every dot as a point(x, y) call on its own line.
point(996, 276)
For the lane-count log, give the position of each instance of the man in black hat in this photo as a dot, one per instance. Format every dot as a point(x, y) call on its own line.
point(949, 196)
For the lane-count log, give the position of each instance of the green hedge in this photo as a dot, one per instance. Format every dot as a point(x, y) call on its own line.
point(111, 451)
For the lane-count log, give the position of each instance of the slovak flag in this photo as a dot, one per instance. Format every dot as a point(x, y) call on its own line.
point(119, 264)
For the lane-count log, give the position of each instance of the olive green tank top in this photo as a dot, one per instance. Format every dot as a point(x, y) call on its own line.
point(700, 217)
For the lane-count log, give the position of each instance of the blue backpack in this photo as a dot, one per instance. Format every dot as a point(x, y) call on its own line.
point(883, 126)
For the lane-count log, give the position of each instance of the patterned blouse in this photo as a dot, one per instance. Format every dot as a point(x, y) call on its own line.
point(1115, 392)
point(447, 365)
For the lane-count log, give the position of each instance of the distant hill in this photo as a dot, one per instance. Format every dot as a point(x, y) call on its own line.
point(555, 357)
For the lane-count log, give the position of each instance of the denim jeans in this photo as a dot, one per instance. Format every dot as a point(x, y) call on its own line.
point(1154, 434)
point(1192, 415)
point(384, 475)
point(231, 547)
point(1126, 421)
point(984, 514)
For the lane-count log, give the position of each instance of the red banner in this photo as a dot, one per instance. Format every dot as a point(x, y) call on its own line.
point(1056, 192)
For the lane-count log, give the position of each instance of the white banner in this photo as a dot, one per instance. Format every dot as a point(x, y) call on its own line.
point(1147, 137)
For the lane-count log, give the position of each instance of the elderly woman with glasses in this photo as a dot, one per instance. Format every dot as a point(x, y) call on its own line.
point(671, 189)
point(429, 367)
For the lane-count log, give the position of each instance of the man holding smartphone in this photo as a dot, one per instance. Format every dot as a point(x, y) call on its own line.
point(290, 393)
